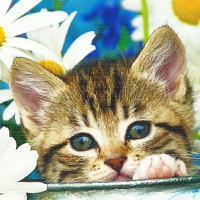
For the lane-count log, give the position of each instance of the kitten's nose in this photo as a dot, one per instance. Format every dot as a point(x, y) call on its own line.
point(116, 163)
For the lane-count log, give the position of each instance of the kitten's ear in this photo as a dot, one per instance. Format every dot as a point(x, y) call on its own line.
point(33, 87)
point(163, 58)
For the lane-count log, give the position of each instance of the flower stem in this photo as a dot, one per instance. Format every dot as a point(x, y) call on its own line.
point(145, 16)
point(57, 5)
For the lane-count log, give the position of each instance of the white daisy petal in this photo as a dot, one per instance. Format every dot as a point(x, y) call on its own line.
point(5, 95)
point(27, 44)
point(33, 187)
point(13, 195)
point(9, 149)
point(21, 169)
point(132, 5)
point(21, 152)
point(17, 118)
point(80, 48)
point(4, 138)
point(137, 22)
point(35, 35)
point(4, 72)
point(23, 148)
point(37, 20)
point(24, 187)
point(20, 8)
point(6, 59)
point(64, 27)
point(47, 36)
point(137, 35)
point(10, 111)
point(9, 53)
point(17, 173)
point(53, 40)
point(42, 35)
point(4, 7)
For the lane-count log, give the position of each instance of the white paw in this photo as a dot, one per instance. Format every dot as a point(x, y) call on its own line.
point(159, 166)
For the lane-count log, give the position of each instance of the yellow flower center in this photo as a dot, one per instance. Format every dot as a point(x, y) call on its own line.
point(53, 67)
point(2, 36)
point(188, 11)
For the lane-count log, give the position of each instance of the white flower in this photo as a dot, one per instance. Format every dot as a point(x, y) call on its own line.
point(54, 37)
point(183, 16)
point(16, 164)
point(12, 25)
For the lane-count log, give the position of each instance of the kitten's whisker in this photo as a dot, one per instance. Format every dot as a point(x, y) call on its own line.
point(49, 180)
point(126, 64)
point(77, 178)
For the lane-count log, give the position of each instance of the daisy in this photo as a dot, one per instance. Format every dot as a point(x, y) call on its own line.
point(15, 165)
point(184, 17)
point(12, 25)
point(54, 37)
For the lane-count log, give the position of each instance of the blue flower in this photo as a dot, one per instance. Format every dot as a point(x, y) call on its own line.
point(110, 19)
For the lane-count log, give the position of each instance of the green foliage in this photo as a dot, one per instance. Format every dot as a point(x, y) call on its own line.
point(196, 136)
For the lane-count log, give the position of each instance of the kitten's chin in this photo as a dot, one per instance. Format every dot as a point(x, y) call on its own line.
point(122, 178)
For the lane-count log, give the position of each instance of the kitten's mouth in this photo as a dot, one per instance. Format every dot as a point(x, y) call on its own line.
point(122, 178)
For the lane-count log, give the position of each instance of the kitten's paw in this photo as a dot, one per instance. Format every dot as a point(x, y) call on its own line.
point(159, 166)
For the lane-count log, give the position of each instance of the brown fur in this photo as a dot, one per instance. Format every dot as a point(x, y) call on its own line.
point(103, 99)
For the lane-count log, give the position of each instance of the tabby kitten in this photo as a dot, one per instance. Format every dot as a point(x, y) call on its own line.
point(110, 121)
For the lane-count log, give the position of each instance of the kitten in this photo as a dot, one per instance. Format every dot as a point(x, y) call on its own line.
point(112, 121)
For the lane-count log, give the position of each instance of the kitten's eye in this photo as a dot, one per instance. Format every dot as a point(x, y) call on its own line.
point(83, 142)
point(138, 130)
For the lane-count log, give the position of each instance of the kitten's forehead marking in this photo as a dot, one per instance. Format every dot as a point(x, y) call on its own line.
point(92, 120)
point(120, 111)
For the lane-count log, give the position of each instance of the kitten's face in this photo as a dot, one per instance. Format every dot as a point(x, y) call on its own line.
point(99, 122)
